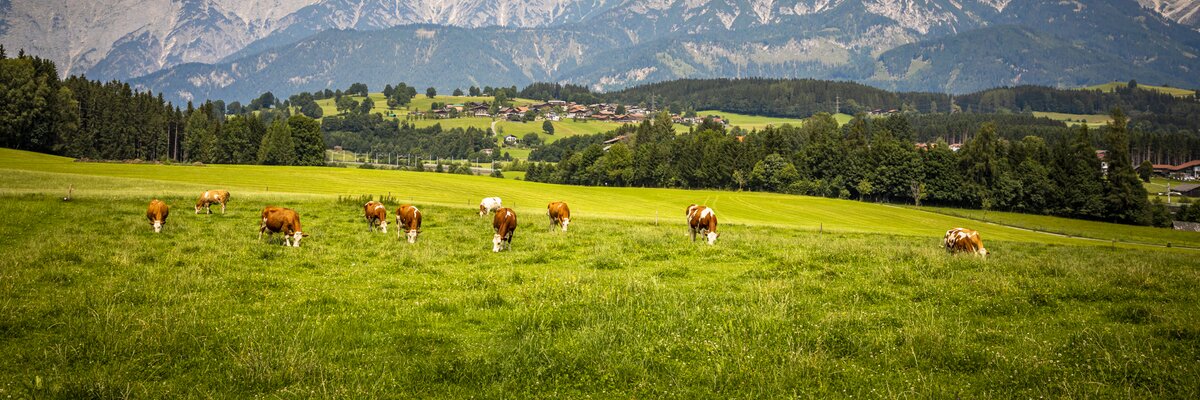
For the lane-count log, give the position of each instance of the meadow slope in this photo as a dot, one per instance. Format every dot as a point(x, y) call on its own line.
point(741, 208)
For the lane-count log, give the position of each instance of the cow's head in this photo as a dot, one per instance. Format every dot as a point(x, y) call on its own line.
point(199, 206)
point(497, 243)
point(983, 252)
point(482, 210)
point(158, 224)
point(383, 225)
point(295, 239)
point(412, 235)
point(565, 221)
point(712, 237)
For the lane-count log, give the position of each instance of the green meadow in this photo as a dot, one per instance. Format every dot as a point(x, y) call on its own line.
point(1091, 120)
point(1111, 86)
point(800, 297)
point(753, 122)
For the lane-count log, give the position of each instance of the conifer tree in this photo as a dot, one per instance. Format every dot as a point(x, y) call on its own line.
point(277, 146)
point(1125, 197)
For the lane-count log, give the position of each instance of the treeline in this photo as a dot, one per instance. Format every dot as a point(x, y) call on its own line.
point(872, 159)
point(82, 118)
point(372, 133)
point(557, 91)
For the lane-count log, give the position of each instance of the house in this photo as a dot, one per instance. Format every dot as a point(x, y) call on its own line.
point(1187, 189)
point(511, 139)
point(611, 142)
point(550, 116)
point(1187, 171)
point(487, 151)
point(556, 103)
point(481, 110)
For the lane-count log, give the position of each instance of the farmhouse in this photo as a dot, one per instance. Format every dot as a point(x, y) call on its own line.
point(511, 139)
point(1188, 171)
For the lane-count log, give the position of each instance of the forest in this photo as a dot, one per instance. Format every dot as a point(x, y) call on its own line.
point(870, 159)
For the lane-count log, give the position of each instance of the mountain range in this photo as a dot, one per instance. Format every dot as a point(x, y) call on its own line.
point(236, 49)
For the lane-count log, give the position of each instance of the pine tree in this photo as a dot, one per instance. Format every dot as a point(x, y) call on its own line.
point(309, 143)
point(1125, 197)
point(1078, 177)
point(200, 137)
point(277, 146)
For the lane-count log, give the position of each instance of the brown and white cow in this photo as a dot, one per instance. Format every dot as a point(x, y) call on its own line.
point(505, 224)
point(964, 240)
point(702, 220)
point(212, 197)
point(376, 215)
point(489, 204)
point(560, 215)
point(157, 214)
point(408, 220)
point(282, 220)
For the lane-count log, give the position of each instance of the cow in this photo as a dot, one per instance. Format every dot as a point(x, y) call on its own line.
point(559, 214)
point(210, 197)
point(376, 215)
point(489, 204)
point(408, 220)
point(504, 223)
point(964, 240)
point(702, 220)
point(282, 220)
point(157, 214)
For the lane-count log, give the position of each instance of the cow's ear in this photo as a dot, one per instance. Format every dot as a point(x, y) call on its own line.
point(303, 235)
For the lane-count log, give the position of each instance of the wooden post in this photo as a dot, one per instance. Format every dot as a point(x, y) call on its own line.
point(655, 217)
point(821, 228)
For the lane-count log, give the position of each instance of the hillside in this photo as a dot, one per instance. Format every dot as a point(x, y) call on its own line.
point(738, 208)
point(1113, 86)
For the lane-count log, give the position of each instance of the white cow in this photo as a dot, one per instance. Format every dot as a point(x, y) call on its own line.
point(489, 204)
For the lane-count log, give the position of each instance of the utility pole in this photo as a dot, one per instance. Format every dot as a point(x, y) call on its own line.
point(837, 108)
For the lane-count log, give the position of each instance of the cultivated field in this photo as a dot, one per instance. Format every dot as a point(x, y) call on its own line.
point(801, 297)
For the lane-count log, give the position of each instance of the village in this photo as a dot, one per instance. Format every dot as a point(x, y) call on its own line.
point(555, 111)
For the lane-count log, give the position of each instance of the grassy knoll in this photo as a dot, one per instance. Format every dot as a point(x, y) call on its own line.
point(94, 305)
point(1111, 86)
point(1071, 227)
point(1092, 120)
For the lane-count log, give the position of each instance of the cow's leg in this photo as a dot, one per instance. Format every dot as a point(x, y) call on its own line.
point(222, 208)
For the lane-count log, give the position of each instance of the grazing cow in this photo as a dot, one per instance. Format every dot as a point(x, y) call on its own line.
point(282, 220)
point(408, 219)
point(489, 204)
point(211, 197)
point(702, 220)
point(559, 215)
point(964, 240)
point(157, 214)
point(504, 223)
point(376, 215)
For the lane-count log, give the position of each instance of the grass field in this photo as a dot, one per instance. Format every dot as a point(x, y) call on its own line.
point(1078, 228)
point(751, 122)
point(1092, 121)
point(95, 305)
point(1177, 92)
